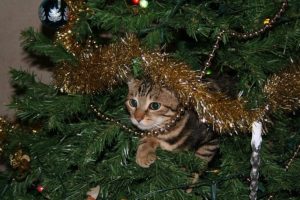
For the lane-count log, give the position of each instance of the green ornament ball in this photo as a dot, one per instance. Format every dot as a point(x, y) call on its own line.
point(208, 72)
point(144, 3)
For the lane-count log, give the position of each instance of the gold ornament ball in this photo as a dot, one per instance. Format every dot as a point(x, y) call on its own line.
point(267, 21)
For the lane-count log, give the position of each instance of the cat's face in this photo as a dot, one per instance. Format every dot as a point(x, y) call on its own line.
point(149, 105)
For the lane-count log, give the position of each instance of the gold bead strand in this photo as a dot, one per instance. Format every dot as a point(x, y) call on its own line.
point(155, 132)
point(292, 158)
point(246, 35)
point(266, 27)
point(109, 119)
point(211, 56)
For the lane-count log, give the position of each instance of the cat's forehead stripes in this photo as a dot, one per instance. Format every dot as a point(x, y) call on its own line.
point(145, 88)
point(145, 92)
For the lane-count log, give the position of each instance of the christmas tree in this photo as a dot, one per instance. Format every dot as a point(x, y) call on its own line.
point(75, 135)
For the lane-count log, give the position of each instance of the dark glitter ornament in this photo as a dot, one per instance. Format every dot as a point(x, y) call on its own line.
point(54, 13)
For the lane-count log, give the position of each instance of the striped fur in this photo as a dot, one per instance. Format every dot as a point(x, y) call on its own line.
point(188, 134)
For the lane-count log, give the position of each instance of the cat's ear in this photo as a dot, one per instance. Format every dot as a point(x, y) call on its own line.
point(169, 98)
point(132, 82)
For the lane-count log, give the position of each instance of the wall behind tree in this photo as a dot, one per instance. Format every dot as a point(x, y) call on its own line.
point(17, 15)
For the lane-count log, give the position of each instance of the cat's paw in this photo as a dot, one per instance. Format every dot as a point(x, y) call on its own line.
point(145, 160)
point(145, 154)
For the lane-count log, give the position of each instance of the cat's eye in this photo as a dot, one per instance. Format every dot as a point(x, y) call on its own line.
point(154, 106)
point(133, 103)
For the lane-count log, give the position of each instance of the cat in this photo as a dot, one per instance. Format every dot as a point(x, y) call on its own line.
point(152, 107)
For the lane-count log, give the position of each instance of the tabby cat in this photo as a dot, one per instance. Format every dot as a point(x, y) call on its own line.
point(151, 107)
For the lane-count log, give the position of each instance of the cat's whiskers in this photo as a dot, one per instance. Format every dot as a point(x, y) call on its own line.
point(123, 118)
point(157, 125)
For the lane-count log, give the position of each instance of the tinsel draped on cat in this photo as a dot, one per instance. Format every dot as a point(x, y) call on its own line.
point(152, 107)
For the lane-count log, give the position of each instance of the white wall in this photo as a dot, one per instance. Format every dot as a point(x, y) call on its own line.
point(15, 16)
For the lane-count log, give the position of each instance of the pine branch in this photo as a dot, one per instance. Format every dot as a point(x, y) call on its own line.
point(38, 44)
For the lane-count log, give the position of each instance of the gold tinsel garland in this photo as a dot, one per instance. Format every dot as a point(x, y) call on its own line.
point(19, 160)
point(225, 114)
point(103, 67)
point(283, 89)
point(100, 70)
point(3, 127)
point(215, 108)
point(6, 127)
point(65, 35)
point(99, 67)
point(109, 65)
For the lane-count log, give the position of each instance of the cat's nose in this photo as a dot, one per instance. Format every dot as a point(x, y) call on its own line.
point(139, 119)
point(139, 116)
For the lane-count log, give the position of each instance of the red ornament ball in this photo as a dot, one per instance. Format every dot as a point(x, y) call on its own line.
point(135, 2)
point(40, 188)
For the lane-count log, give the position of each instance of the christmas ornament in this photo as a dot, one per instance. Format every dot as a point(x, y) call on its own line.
point(40, 188)
point(208, 72)
point(93, 193)
point(255, 158)
point(135, 2)
point(266, 21)
point(21, 162)
point(53, 13)
point(144, 3)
